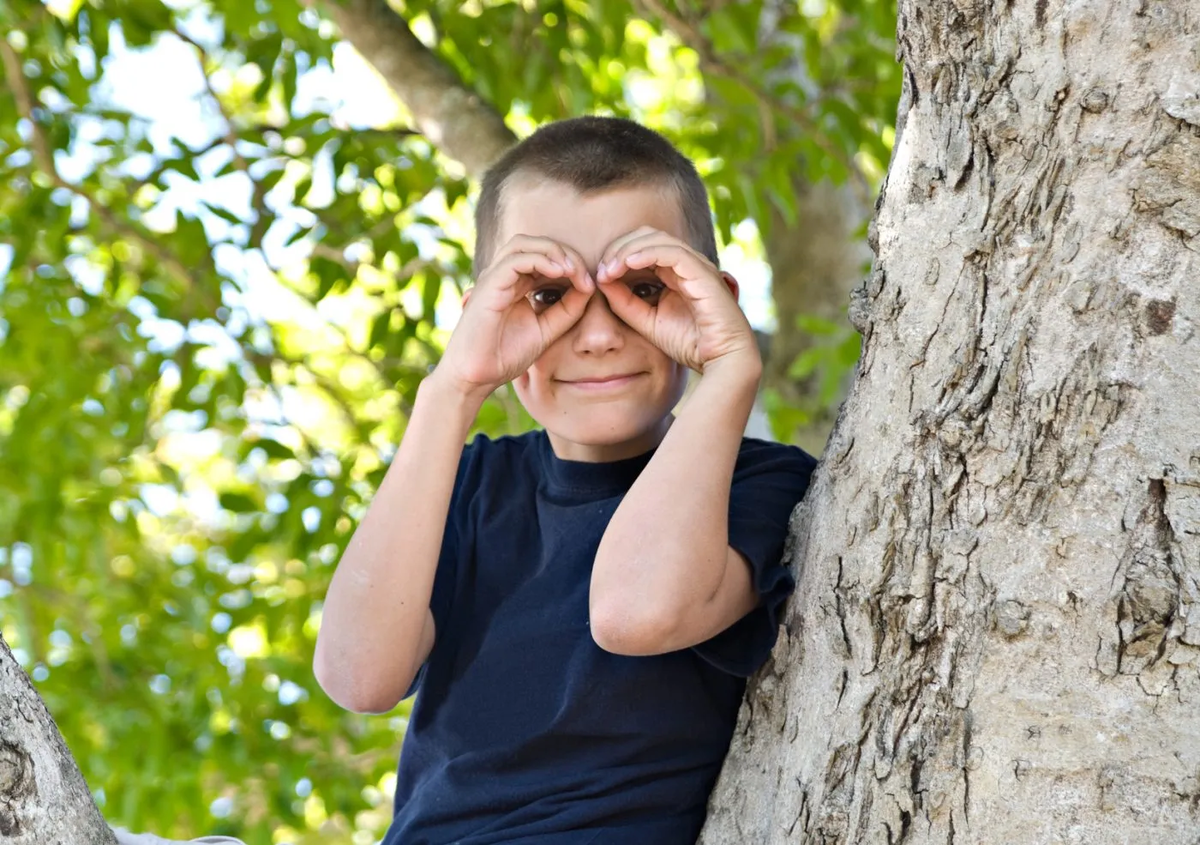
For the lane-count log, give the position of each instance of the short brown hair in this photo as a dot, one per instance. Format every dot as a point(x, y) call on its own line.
point(593, 154)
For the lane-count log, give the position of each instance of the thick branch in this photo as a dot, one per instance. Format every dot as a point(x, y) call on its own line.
point(451, 115)
point(43, 797)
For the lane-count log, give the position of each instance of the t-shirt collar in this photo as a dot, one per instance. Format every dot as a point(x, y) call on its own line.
point(608, 477)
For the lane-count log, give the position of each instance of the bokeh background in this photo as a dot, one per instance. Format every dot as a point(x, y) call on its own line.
point(229, 251)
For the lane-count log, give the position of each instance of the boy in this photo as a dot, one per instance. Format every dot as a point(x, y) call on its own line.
point(579, 607)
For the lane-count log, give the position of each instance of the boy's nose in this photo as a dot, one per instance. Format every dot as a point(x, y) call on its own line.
point(599, 330)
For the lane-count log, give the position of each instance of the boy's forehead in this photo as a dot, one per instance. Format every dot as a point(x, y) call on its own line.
point(586, 222)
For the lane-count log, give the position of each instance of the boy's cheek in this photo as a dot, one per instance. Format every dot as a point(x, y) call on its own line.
point(521, 385)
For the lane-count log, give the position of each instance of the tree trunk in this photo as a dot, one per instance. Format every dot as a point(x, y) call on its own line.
point(996, 632)
point(43, 797)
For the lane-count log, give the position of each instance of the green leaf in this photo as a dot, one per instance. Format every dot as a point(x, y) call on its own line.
point(329, 273)
point(224, 213)
point(239, 502)
point(814, 325)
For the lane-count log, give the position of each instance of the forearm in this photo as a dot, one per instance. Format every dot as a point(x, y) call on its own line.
point(666, 547)
point(375, 611)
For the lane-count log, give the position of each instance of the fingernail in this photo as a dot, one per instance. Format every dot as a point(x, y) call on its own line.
point(570, 264)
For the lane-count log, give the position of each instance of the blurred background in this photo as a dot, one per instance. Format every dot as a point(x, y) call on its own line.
point(233, 238)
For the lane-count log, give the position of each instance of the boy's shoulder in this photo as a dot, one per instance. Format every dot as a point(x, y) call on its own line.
point(508, 457)
point(756, 453)
point(512, 449)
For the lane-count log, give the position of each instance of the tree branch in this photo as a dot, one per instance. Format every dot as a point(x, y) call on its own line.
point(258, 191)
point(689, 34)
point(450, 114)
point(43, 796)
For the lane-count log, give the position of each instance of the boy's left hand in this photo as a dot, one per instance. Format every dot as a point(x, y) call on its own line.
point(695, 318)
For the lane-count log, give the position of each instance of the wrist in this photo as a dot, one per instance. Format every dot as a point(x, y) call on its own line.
point(458, 404)
point(728, 388)
point(740, 367)
point(446, 379)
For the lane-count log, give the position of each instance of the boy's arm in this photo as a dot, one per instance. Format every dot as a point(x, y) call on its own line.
point(665, 577)
point(376, 626)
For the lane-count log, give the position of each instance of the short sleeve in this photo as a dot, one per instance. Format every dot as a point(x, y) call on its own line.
point(445, 578)
point(769, 480)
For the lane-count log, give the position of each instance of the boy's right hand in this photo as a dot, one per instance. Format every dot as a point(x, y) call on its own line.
point(532, 293)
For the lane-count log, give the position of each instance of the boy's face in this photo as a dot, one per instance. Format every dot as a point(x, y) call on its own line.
point(601, 391)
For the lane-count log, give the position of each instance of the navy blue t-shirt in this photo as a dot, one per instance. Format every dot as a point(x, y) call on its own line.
point(524, 730)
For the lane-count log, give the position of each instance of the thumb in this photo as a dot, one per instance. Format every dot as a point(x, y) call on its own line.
point(634, 311)
point(558, 319)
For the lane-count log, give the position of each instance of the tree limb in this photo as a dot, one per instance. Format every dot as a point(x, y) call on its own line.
point(43, 796)
point(450, 114)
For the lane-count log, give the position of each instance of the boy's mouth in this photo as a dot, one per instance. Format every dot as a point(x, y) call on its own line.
point(602, 382)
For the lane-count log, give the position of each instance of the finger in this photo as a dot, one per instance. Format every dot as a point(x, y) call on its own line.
point(634, 311)
point(572, 265)
point(693, 275)
point(609, 257)
point(567, 259)
point(580, 278)
point(513, 276)
point(616, 267)
point(559, 317)
point(548, 247)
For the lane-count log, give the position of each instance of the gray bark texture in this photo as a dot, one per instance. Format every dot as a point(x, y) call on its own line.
point(43, 797)
point(996, 632)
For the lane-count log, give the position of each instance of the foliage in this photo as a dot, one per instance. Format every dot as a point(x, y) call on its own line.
point(211, 327)
point(827, 363)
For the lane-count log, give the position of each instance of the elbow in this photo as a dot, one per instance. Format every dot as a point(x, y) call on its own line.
point(632, 631)
point(347, 692)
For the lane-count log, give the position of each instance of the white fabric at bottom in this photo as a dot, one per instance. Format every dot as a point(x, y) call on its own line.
point(124, 837)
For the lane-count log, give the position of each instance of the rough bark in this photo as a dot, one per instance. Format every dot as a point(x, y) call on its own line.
point(451, 115)
point(43, 797)
point(996, 632)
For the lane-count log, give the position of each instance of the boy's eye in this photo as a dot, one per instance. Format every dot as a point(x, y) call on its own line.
point(543, 298)
point(650, 291)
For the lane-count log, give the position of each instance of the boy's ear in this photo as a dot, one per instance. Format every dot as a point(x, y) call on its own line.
point(730, 282)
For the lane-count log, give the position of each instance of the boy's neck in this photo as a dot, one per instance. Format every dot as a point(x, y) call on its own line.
point(568, 450)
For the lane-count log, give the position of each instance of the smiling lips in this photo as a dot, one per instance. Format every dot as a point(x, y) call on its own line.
point(602, 382)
